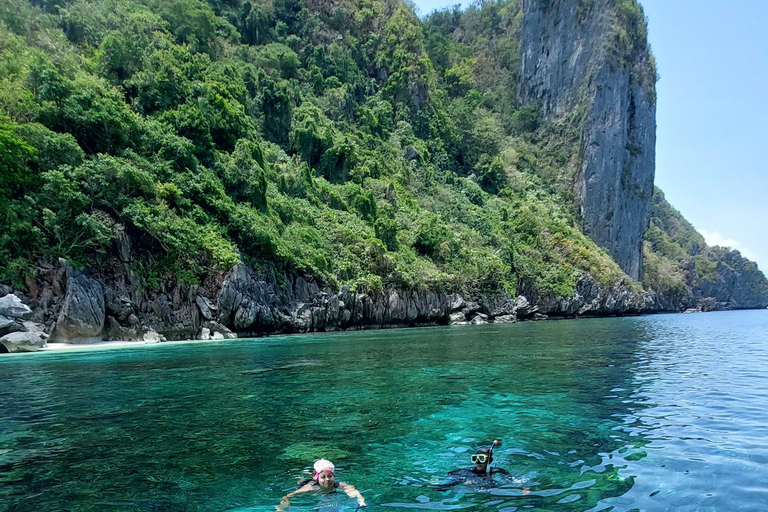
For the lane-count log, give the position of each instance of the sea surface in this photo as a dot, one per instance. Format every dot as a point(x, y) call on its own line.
point(653, 413)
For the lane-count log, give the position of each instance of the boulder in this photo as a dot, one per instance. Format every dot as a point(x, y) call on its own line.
point(505, 319)
point(23, 341)
point(34, 327)
point(83, 313)
point(12, 307)
point(523, 308)
point(457, 318)
point(8, 326)
point(479, 319)
point(153, 337)
point(218, 331)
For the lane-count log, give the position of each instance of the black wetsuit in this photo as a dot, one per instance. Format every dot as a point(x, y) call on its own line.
point(470, 476)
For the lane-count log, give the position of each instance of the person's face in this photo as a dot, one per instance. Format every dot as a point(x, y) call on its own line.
point(481, 462)
point(326, 479)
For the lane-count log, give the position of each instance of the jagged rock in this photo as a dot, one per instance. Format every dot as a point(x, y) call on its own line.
point(123, 243)
point(133, 320)
point(707, 304)
point(161, 307)
point(182, 323)
point(539, 316)
point(523, 309)
point(83, 313)
point(246, 302)
point(5, 289)
point(471, 308)
point(205, 334)
point(304, 289)
point(8, 326)
point(30, 326)
point(505, 319)
point(301, 318)
point(592, 299)
point(12, 307)
point(23, 341)
point(119, 307)
point(497, 305)
point(456, 302)
point(219, 331)
point(117, 332)
point(333, 310)
point(457, 318)
point(207, 308)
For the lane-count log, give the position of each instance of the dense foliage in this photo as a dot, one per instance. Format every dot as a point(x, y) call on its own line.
point(681, 266)
point(349, 140)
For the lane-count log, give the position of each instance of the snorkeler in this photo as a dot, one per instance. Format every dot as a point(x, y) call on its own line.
point(482, 467)
point(324, 480)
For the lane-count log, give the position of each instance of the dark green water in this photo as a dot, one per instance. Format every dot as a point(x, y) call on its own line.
point(650, 413)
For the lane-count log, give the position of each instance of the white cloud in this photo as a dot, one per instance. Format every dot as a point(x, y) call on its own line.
point(716, 238)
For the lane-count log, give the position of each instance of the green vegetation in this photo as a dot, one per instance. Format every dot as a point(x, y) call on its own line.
point(351, 141)
point(677, 259)
point(628, 44)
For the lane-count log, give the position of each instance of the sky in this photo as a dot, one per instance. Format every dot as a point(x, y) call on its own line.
point(711, 116)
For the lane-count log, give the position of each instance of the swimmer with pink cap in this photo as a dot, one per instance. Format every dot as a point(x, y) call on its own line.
point(323, 479)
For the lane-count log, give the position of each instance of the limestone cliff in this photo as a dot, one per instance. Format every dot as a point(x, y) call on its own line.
point(587, 62)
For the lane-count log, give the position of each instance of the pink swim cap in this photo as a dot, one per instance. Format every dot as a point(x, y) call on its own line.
point(323, 465)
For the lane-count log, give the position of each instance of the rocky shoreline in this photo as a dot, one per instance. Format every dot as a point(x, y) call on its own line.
point(66, 305)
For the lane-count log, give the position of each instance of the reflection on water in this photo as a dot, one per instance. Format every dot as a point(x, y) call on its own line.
point(648, 413)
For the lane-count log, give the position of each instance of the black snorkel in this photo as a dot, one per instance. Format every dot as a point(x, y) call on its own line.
point(490, 453)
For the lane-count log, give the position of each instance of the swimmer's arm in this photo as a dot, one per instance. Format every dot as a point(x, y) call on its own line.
point(353, 493)
point(285, 501)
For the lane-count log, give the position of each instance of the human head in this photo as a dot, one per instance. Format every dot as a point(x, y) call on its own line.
point(325, 473)
point(482, 458)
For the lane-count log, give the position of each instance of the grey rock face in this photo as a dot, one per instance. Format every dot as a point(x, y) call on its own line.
point(23, 341)
point(12, 307)
point(174, 321)
point(83, 313)
point(8, 326)
point(567, 65)
point(590, 299)
point(254, 304)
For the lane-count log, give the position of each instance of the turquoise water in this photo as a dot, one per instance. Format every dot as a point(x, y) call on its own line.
point(649, 413)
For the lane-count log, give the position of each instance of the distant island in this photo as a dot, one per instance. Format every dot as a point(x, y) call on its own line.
point(190, 169)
